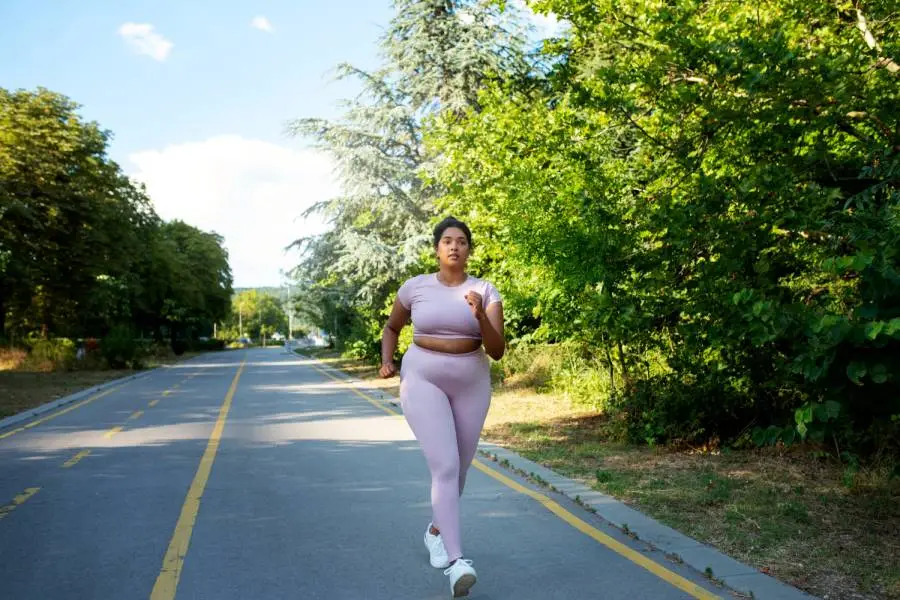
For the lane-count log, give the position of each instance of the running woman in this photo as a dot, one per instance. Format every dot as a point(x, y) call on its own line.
point(445, 383)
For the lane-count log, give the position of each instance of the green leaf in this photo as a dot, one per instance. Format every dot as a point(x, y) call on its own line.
point(856, 371)
point(873, 329)
point(803, 416)
point(879, 373)
point(789, 435)
point(862, 260)
point(758, 307)
point(893, 328)
point(759, 437)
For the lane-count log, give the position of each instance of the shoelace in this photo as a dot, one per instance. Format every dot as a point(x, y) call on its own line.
point(453, 566)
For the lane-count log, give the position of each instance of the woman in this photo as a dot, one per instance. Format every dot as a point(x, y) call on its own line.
point(445, 383)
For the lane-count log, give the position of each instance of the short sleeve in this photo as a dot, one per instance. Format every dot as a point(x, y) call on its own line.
point(491, 295)
point(404, 295)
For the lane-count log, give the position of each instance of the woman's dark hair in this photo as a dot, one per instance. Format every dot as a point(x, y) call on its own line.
point(447, 224)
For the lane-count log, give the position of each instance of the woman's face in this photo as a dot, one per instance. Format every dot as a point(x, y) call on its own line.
point(453, 248)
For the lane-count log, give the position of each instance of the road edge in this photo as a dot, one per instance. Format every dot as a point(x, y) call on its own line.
point(37, 411)
point(734, 575)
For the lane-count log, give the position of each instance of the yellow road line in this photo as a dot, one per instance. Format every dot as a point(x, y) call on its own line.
point(167, 581)
point(154, 402)
point(18, 500)
point(135, 415)
point(75, 459)
point(113, 431)
point(365, 397)
point(616, 546)
point(61, 412)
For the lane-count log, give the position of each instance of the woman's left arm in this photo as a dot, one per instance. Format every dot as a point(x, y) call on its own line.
point(492, 334)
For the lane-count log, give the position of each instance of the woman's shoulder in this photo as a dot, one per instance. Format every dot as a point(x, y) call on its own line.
point(479, 282)
point(417, 280)
point(487, 289)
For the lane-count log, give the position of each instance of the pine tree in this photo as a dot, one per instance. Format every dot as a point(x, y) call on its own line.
point(437, 55)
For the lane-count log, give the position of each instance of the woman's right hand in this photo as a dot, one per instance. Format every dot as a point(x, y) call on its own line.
point(387, 371)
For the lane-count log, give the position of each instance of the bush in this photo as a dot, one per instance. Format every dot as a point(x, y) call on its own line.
point(533, 365)
point(120, 348)
point(682, 408)
point(53, 354)
point(179, 347)
point(159, 350)
point(207, 345)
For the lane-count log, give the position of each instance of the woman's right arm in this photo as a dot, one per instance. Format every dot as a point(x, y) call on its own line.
point(396, 322)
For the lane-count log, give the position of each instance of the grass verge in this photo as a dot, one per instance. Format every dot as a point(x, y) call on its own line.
point(788, 512)
point(22, 388)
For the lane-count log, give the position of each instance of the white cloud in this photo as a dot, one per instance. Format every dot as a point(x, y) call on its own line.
point(466, 17)
point(262, 23)
point(251, 192)
point(144, 40)
point(546, 26)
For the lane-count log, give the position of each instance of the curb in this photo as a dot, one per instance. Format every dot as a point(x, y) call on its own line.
point(43, 409)
point(735, 575)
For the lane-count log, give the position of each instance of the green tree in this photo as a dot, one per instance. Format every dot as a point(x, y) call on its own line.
point(81, 249)
point(256, 315)
point(706, 184)
point(68, 216)
point(437, 55)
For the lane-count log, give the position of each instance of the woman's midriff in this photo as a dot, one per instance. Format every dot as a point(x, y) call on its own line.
point(447, 346)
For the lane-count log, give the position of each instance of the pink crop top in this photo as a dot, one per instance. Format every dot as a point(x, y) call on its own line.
point(441, 311)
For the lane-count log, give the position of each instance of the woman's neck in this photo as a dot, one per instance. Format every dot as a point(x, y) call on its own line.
point(450, 276)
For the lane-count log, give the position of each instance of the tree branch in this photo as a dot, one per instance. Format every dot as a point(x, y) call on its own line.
point(644, 131)
point(861, 114)
point(883, 61)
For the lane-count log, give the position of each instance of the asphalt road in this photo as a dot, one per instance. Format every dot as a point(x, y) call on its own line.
point(256, 474)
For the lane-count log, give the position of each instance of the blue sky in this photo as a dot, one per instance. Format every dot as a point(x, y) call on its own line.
point(197, 93)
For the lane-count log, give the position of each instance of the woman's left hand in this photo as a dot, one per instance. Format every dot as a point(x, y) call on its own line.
point(476, 303)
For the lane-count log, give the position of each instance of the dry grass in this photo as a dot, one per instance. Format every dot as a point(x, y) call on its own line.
point(787, 512)
point(25, 384)
point(12, 358)
point(20, 390)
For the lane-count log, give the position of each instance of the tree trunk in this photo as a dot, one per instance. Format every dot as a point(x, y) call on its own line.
point(2, 316)
point(626, 380)
point(611, 365)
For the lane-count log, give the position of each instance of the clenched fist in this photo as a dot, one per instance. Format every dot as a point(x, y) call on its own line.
point(476, 303)
point(387, 371)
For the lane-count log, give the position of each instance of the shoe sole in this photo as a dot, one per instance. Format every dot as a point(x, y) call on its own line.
point(463, 585)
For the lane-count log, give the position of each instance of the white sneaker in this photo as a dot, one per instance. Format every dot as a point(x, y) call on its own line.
point(435, 545)
point(462, 577)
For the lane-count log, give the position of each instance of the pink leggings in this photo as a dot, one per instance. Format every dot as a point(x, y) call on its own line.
point(445, 399)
